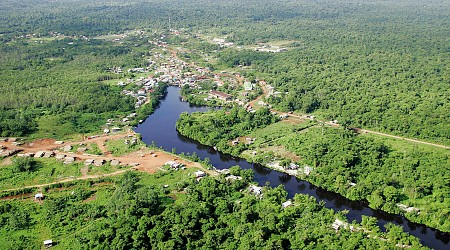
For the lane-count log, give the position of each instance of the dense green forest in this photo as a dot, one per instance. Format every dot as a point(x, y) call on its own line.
point(218, 128)
point(60, 83)
point(136, 212)
point(380, 65)
point(357, 166)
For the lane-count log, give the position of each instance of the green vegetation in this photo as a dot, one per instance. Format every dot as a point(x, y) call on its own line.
point(23, 164)
point(94, 149)
point(380, 65)
point(28, 171)
point(123, 146)
point(218, 128)
point(135, 211)
point(62, 97)
point(360, 167)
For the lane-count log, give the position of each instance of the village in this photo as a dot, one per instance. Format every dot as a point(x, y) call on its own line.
point(166, 67)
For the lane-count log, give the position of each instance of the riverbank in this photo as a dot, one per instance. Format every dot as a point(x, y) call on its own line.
point(168, 138)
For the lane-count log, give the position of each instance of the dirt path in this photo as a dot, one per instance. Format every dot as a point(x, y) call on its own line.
point(145, 160)
point(69, 180)
point(265, 93)
point(401, 138)
point(359, 130)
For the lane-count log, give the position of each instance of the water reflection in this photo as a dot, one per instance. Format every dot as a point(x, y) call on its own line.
point(160, 128)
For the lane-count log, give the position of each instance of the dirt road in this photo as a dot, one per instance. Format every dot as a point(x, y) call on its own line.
point(144, 160)
point(360, 130)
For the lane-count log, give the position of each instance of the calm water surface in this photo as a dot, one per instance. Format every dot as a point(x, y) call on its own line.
point(159, 128)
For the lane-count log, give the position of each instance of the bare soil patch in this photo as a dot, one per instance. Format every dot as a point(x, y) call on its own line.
point(94, 197)
point(18, 196)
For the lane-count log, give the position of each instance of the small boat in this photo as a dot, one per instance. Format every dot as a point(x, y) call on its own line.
point(141, 121)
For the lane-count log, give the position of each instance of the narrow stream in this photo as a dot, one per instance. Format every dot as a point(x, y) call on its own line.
point(159, 128)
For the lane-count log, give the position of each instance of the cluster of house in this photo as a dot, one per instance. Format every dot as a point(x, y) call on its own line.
point(132, 141)
point(100, 162)
point(67, 159)
point(270, 48)
point(228, 176)
point(292, 168)
point(173, 72)
point(4, 151)
point(248, 141)
point(222, 42)
point(271, 91)
point(109, 126)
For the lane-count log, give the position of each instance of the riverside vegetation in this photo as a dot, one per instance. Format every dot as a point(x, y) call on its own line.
point(136, 211)
point(378, 65)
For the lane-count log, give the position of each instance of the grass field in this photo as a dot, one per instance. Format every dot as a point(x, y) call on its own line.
point(47, 170)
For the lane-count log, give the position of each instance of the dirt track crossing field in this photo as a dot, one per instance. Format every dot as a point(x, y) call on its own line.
point(144, 160)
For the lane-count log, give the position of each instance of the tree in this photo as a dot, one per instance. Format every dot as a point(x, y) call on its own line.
point(24, 164)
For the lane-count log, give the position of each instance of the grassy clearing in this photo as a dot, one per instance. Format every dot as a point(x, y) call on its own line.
point(48, 170)
point(167, 177)
point(119, 147)
point(108, 37)
point(104, 169)
point(399, 144)
point(268, 135)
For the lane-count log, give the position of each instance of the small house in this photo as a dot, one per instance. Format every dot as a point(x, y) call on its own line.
point(255, 189)
point(69, 160)
point(29, 154)
point(224, 171)
point(99, 162)
point(233, 178)
point(248, 86)
point(88, 162)
point(115, 129)
point(286, 204)
point(67, 148)
point(293, 166)
point(220, 95)
point(39, 154)
point(115, 163)
point(48, 154)
point(60, 157)
point(39, 196)
point(200, 173)
point(48, 243)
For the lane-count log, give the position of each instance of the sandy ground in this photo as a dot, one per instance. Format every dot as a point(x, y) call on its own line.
point(145, 160)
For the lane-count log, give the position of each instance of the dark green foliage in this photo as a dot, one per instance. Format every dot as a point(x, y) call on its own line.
point(219, 128)
point(24, 164)
point(213, 213)
point(210, 216)
point(383, 176)
point(59, 84)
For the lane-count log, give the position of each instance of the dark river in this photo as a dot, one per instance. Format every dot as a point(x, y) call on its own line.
point(159, 128)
